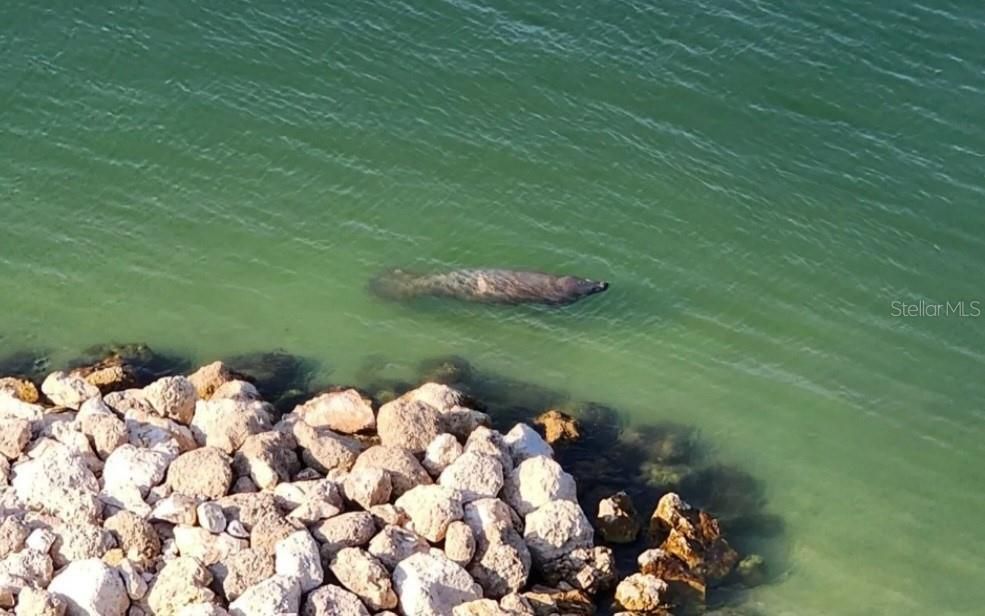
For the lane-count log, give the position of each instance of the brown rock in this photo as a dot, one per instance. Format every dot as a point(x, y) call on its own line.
point(135, 536)
point(204, 473)
point(685, 587)
point(22, 389)
point(209, 378)
point(694, 537)
point(558, 426)
point(548, 601)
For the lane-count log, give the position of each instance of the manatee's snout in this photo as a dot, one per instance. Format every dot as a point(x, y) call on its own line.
point(591, 287)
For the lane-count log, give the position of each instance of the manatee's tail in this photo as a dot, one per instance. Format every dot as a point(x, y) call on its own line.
point(394, 284)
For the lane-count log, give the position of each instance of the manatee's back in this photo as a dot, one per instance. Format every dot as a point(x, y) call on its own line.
point(394, 284)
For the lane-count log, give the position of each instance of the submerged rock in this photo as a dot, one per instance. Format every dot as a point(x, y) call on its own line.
point(617, 520)
point(558, 426)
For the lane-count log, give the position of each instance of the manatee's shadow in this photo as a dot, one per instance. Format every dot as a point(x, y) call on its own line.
point(283, 379)
point(30, 364)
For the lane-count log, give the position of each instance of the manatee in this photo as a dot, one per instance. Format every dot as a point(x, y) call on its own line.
point(493, 286)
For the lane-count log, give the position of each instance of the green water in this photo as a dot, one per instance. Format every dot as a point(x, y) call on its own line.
point(759, 181)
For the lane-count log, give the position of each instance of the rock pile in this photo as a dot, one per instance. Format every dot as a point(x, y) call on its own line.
point(192, 497)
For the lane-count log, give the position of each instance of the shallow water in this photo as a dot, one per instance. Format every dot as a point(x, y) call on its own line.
point(759, 181)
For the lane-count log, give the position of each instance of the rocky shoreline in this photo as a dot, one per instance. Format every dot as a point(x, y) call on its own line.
point(129, 492)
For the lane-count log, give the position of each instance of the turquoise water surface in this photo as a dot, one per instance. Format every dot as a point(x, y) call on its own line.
point(760, 181)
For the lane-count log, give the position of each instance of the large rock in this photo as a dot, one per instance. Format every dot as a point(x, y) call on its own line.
point(99, 423)
point(475, 475)
point(368, 487)
point(641, 592)
point(524, 442)
point(460, 543)
point(321, 448)
point(487, 441)
point(393, 544)
point(91, 588)
point(22, 389)
point(501, 567)
point(461, 421)
point(205, 473)
point(331, 600)
point(35, 602)
point(686, 587)
point(404, 469)
point(67, 390)
point(134, 535)
point(537, 481)
point(172, 397)
point(205, 547)
point(342, 411)
point(15, 408)
point(694, 537)
point(297, 556)
point(347, 530)
point(80, 542)
point(590, 569)
point(431, 509)
point(26, 568)
point(277, 594)
point(209, 378)
point(501, 564)
point(439, 396)
point(182, 581)
point(556, 529)
point(136, 466)
point(14, 436)
point(441, 451)
point(268, 458)
point(13, 535)
point(431, 585)
point(408, 424)
point(226, 423)
point(59, 483)
point(243, 569)
point(617, 520)
point(365, 576)
point(558, 426)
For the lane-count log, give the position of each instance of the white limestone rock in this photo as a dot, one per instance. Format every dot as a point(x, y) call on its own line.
point(277, 594)
point(297, 556)
point(345, 411)
point(524, 442)
point(91, 588)
point(441, 451)
point(225, 423)
point(368, 487)
point(475, 475)
point(431, 508)
point(556, 529)
point(431, 585)
point(537, 481)
point(641, 592)
point(68, 390)
point(172, 397)
point(393, 544)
